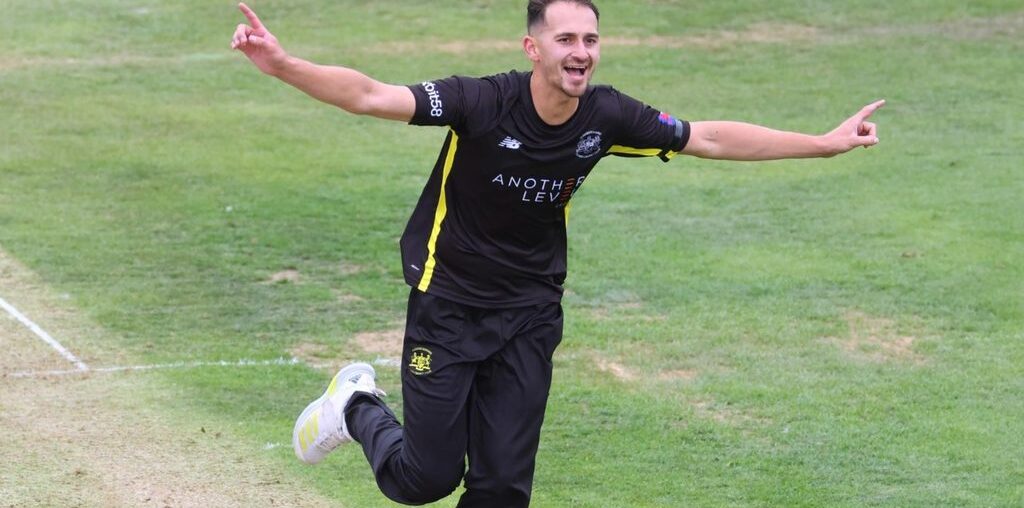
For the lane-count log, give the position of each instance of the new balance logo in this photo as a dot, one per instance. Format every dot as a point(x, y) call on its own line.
point(510, 143)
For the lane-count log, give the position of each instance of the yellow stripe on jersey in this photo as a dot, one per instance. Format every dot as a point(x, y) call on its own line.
point(629, 151)
point(439, 214)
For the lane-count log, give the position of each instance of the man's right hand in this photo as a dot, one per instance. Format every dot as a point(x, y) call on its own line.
point(258, 43)
point(345, 88)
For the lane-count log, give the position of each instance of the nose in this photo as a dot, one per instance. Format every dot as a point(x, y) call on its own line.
point(580, 50)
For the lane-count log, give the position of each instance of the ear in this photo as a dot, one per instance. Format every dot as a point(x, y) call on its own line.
point(530, 48)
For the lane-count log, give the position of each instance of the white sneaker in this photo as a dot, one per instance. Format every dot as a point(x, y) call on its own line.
point(321, 426)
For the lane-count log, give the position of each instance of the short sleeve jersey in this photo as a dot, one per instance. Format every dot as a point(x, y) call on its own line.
point(489, 229)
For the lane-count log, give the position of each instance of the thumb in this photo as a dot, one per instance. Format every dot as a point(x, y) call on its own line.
point(867, 141)
point(257, 41)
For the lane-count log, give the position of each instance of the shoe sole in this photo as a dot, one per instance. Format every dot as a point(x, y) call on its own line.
point(345, 373)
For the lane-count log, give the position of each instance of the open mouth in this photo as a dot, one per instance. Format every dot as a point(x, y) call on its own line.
point(576, 70)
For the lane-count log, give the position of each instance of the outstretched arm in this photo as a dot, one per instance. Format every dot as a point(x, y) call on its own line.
point(345, 88)
point(747, 142)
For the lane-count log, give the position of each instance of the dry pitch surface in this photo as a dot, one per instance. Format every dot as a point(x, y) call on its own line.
point(99, 438)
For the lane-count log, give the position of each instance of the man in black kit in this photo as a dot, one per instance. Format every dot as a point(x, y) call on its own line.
point(485, 248)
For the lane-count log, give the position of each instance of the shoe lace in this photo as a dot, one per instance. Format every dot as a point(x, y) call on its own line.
point(368, 386)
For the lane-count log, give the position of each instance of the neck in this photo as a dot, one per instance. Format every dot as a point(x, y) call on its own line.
point(553, 106)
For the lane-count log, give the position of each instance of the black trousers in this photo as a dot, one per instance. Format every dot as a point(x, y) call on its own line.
point(475, 385)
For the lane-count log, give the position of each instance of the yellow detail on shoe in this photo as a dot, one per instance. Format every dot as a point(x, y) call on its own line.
point(309, 431)
point(314, 427)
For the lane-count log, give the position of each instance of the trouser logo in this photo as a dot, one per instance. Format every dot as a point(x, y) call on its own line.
point(419, 364)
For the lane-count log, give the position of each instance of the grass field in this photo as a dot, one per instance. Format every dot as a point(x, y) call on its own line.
point(844, 332)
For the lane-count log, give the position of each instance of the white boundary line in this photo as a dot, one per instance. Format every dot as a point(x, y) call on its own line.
point(161, 366)
point(385, 362)
point(81, 366)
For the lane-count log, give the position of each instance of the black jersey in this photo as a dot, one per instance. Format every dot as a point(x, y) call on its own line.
point(489, 229)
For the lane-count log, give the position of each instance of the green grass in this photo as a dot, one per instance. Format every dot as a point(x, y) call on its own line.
point(160, 181)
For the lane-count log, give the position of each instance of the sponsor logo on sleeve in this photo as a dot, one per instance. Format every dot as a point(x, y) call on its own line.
point(434, 95)
point(667, 119)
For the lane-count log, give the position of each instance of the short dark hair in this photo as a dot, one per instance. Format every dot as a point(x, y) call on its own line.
point(536, 9)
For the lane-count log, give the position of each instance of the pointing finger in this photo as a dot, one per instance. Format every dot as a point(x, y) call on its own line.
point(870, 109)
point(251, 16)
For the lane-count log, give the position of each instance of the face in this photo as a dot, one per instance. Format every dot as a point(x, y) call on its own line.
point(565, 48)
